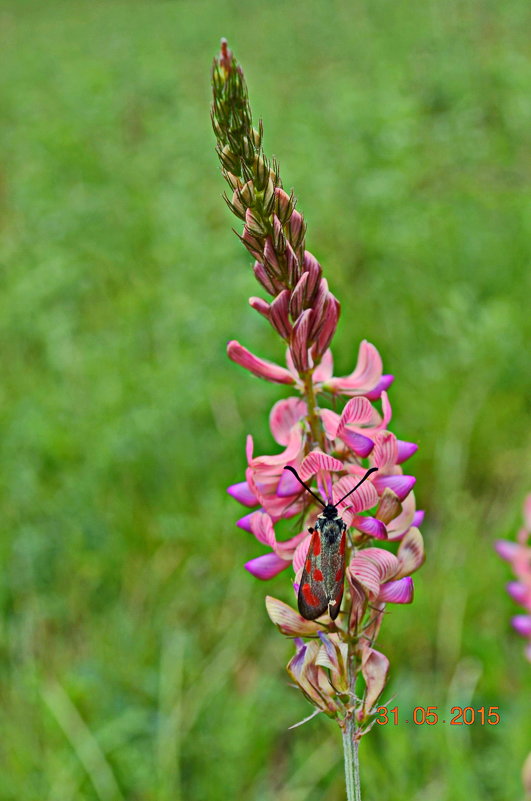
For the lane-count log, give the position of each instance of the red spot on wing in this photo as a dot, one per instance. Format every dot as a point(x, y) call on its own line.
point(317, 575)
point(316, 544)
point(339, 574)
point(342, 544)
point(309, 597)
point(308, 565)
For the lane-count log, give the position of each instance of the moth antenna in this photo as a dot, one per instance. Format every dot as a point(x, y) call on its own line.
point(365, 477)
point(306, 487)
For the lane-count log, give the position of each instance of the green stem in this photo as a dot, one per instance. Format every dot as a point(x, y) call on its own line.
point(352, 764)
point(313, 416)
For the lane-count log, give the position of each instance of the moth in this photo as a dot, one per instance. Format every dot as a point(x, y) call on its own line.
point(323, 576)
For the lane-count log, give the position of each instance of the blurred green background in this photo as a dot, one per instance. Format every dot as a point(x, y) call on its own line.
point(137, 661)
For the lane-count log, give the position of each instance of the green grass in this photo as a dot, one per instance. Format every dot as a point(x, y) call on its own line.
point(137, 661)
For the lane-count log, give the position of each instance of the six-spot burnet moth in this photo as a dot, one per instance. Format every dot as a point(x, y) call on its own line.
point(321, 586)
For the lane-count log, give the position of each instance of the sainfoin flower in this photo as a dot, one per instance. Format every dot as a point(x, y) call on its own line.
point(519, 555)
point(330, 432)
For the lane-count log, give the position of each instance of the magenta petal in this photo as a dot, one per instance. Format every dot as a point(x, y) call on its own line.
point(517, 591)
point(245, 522)
point(397, 592)
point(507, 550)
point(266, 566)
point(418, 518)
point(371, 526)
point(522, 624)
point(357, 443)
point(243, 494)
point(383, 384)
point(259, 367)
point(405, 450)
point(401, 485)
point(288, 485)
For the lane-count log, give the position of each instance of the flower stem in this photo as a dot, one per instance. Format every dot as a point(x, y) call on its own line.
point(313, 416)
point(352, 764)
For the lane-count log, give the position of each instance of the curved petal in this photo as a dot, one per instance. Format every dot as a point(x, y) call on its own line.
point(288, 485)
point(330, 422)
point(374, 667)
point(288, 621)
point(418, 518)
point(358, 411)
point(397, 592)
point(364, 498)
point(410, 553)
point(299, 557)
point(383, 384)
point(522, 624)
point(405, 450)
point(317, 460)
point(401, 485)
point(325, 368)
point(266, 566)
point(385, 453)
point(262, 528)
point(358, 443)
point(369, 525)
point(365, 376)
point(243, 494)
point(293, 447)
point(259, 367)
point(245, 522)
point(284, 415)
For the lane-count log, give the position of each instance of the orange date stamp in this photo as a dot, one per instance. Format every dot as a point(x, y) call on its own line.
point(430, 715)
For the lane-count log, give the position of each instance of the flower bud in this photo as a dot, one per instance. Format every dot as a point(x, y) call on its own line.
point(279, 316)
point(254, 224)
point(263, 277)
point(283, 205)
point(253, 245)
point(298, 297)
point(260, 305)
point(279, 240)
point(296, 229)
point(228, 159)
point(299, 341)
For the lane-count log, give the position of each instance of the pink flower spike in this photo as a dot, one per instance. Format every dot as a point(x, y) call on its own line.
point(397, 592)
point(243, 494)
point(259, 367)
point(507, 550)
point(267, 566)
point(522, 624)
point(401, 485)
point(405, 450)
point(364, 378)
point(383, 384)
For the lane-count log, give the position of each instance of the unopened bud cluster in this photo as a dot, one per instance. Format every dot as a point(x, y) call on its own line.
point(304, 312)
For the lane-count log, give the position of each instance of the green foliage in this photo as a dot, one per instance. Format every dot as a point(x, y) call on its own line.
point(137, 661)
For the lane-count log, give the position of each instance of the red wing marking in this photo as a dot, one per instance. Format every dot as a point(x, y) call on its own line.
point(342, 545)
point(309, 597)
point(317, 575)
point(316, 545)
point(308, 565)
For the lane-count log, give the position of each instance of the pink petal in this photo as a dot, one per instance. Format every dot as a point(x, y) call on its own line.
point(410, 553)
point(317, 460)
point(357, 411)
point(383, 384)
point(522, 624)
point(405, 450)
point(328, 327)
point(243, 494)
point(288, 485)
point(358, 443)
point(260, 305)
point(289, 621)
point(330, 421)
point(370, 525)
point(371, 567)
point(418, 518)
point(299, 557)
point(325, 368)
point(385, 453)
point(257, 366)
point(518, 592)
point(397, 592)
point(266, 566)
point(374, 667)
point(401, 485)
point(245, 522)
point(284, 415)
point(507, 550)
point(291, 453)
point(287, 548)
point(262, 528)
point(364, 498)
point(366, 375)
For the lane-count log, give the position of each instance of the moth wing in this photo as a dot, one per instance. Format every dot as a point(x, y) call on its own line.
point(334, 569)
point(312, 600)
